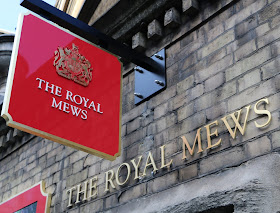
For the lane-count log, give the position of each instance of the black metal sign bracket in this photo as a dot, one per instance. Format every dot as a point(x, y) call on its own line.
point(149, 83)
point(154, 65)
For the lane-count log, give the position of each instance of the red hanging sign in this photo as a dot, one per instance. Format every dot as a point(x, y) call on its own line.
point(33, 199)
point(64, 88)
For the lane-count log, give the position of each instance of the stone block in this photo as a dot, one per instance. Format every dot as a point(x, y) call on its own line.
point(249, 79)
point(147, 117)
point(205, 101)
point(17, 133)
point(216, 56)
point(166, 122)
point(245, 50)
point(190, 7)
point(78, 166)
point(161, 138)
point(192, 123)
point(76, 156)
point(172, 52)
point(97, 206)
point(276, 139)
point(30, 166)
point(179, 101)
point(163, 182)
point(187, 83)
point(269, 37)
point(258, 147)
point(248, 63)
point(2, 142)
point(152, 129)
point(213, 69)
point(132, 151)
point(269, 12)
point(244, 14)
point(188, 172)
point(188, 61)
point(218, 43)
point(216, 111)
point(244, 27)
point(195, 92)
point(185, 111)
point(161, 110)
point(139, 42)
point(215, 32)
point(134, 113)
point(191, 45)
point(251, 35)
point(214, 82)
point(133, 125)
point(9, 137)
point(154, 30)
point(111, 201)
point(275, 21)
point(230, 157)
point(162, 97)
point(253, 94)
point(262, 29)
point(133, 137)
point(172, 18)
point(133, 192)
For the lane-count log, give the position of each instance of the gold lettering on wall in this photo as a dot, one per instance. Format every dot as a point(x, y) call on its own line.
point(234, 122)
point(79, 191)
point(118, 174)
point(162, 152)
point(186, 144)
point(136, 166)
point(109, 180)
point(151, 161)
point(70, 196)
point(92, 187)
point(262, 112)
point(209, 134)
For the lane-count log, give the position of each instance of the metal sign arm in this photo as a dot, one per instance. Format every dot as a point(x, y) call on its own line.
point(91, 34)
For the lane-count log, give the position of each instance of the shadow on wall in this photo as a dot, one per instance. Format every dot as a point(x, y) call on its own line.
point(6, 46)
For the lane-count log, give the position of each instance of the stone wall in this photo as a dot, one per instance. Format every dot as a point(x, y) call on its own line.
point(217, 63)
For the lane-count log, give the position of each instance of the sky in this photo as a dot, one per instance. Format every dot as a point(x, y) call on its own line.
point(9, 11)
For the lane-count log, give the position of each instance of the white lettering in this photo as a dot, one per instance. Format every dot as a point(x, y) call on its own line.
point(78, 102)
point(84, 114)
point(40, 82)
point(49, 87)
point(75, 110)
point(98, 109)
point(65, 107)
point(85, 101)
point(69, 95)
point(92, 105)
point(55, 105)
point(58, 91)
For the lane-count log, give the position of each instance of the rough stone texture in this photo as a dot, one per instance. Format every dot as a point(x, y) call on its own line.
point(172, 18)
point(139, 42)
point(254, 178)
point(155, 30)
point(6, 46)
point(190, 7)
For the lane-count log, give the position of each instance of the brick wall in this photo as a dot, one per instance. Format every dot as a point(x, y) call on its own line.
point(228, 62)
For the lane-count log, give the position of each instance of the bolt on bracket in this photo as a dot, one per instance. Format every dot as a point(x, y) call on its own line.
point(149, 83)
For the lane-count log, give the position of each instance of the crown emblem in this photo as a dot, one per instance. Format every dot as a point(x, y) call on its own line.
point(72, 65)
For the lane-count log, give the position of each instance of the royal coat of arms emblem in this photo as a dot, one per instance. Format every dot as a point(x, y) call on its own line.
point(72, 65)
